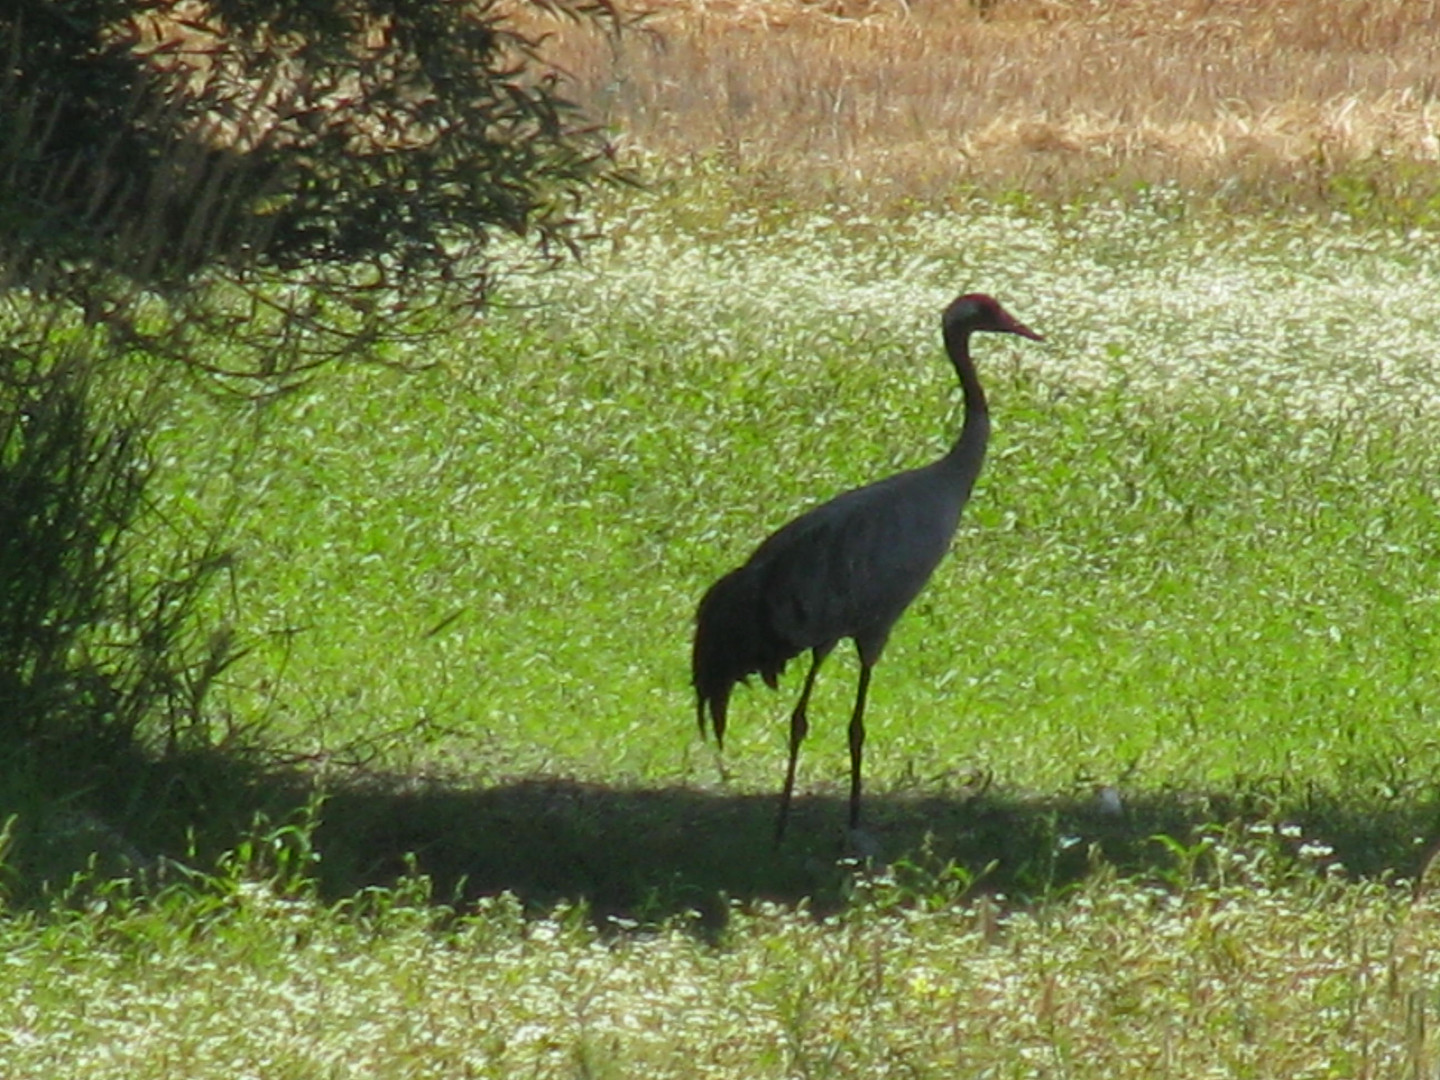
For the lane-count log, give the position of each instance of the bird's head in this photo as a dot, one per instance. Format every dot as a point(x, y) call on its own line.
point(976, 311)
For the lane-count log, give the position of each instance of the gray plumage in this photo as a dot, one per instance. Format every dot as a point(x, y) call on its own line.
point(846, 569)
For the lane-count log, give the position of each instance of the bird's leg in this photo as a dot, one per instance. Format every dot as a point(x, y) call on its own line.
point(799, 726)
point(857, 742)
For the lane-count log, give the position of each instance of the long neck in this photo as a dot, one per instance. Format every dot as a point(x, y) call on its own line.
point(968, 453)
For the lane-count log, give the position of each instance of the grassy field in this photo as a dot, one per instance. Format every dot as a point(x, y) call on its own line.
point(1253, 978)
point(1153, 761)
point(1204, 547)
point(1201, 570)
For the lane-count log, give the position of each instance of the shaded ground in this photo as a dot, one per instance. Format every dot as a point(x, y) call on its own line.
point(661, 851)
point(649, 853)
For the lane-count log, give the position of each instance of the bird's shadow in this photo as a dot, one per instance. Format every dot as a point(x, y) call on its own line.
point(653, 853)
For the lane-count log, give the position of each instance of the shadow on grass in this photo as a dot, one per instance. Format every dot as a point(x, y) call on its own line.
point(655, 852)
point(651, 853)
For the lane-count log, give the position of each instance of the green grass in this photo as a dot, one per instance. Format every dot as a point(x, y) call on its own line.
point(1201, 564)
point(1187, 561)
point(1202, 568)
point(1256, 974)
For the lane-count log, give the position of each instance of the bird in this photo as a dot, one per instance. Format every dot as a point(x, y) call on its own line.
point(847, 568)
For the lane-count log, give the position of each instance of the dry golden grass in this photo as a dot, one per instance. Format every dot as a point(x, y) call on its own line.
point(914, 98)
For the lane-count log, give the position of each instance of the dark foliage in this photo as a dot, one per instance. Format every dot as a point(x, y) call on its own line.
point(93, 641)
point(369, 150)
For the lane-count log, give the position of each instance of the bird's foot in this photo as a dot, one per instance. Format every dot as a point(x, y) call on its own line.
point(862, 844)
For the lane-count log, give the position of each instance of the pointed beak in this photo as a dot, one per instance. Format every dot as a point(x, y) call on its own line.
point(1017, 327)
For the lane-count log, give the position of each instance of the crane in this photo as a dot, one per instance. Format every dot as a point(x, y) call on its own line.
point(847, 568)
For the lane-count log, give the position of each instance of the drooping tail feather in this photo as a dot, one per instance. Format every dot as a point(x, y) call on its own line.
point(734, 639)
